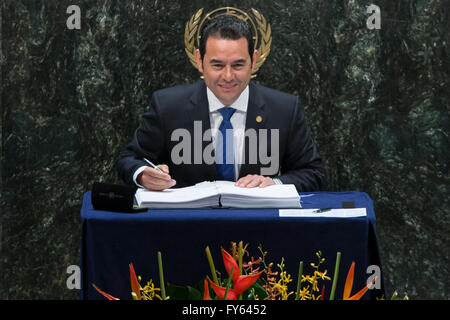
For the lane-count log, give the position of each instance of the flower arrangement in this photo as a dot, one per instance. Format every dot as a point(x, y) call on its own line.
point(252, 280)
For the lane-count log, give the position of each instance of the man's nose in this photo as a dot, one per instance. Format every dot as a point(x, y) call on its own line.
point(228, 73)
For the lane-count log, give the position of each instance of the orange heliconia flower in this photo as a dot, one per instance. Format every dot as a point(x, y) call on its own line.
point(349, 284)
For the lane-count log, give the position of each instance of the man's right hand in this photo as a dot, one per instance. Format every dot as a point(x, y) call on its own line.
point(152, 179)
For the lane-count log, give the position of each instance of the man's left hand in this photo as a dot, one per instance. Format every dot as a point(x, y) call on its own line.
point(254, 180)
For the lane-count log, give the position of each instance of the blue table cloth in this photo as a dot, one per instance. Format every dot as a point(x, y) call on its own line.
point(111, 240)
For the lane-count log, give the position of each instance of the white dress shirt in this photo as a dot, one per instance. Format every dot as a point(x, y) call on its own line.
point(237, 121)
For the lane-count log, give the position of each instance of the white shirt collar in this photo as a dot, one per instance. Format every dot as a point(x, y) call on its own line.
point(240, 104)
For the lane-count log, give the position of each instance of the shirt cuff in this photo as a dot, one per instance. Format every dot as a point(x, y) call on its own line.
point(136, 173)
point(277, 181)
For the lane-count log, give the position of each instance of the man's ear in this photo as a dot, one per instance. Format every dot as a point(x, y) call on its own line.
point(199, 60)
point(255, 58)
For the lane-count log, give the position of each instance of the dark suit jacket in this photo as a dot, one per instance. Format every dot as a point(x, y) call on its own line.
point(178, 107)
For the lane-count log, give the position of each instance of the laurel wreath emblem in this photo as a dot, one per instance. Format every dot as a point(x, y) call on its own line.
point(262, 32)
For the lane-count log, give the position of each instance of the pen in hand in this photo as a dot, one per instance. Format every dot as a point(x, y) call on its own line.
point(156, 168)
point(153, 166)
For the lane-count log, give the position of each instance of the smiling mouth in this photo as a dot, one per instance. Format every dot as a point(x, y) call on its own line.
point(227, 86)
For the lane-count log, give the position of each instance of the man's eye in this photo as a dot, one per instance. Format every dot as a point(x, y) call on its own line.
point(238, 66)
point(217, 66)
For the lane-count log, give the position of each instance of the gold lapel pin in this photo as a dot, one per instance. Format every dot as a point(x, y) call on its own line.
point(258, 119)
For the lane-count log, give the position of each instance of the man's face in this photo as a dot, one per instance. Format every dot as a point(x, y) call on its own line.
point(226, 67)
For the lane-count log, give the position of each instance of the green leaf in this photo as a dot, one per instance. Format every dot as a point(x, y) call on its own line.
point(257, 289)
point(183, 292)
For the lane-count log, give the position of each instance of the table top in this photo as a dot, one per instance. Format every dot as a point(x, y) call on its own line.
point(308, 200)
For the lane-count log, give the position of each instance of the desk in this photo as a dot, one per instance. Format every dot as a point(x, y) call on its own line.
point(110, 241)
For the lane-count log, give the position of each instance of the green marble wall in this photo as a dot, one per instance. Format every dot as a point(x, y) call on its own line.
point(377, 101)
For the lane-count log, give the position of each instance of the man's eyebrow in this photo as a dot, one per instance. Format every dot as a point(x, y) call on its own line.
point(213, 61)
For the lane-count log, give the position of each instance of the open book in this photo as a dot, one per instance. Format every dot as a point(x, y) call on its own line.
point(221, 194)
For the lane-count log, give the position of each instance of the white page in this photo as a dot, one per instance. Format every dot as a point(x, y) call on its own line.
point(179, 195)
point(275, 196)
point(280, 191)
point(333, 213)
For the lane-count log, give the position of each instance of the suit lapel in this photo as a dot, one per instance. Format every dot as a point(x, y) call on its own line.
point(198, 110)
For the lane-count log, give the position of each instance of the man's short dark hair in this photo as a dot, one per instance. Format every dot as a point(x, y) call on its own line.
point(226, 27)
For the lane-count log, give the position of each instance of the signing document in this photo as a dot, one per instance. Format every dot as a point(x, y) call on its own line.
point(213, 194)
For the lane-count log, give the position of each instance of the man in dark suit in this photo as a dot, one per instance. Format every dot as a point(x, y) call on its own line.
point(258, 136)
